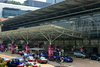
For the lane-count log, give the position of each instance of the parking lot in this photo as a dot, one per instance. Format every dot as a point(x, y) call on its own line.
point(77, 62)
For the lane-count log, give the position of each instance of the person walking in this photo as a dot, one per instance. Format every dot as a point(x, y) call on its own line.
point(61, 60)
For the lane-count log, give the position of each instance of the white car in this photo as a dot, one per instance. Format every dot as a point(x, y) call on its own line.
point(42, 60)
point(80, 54)
point(29, 64)
point(31, 59)
point(6, 59)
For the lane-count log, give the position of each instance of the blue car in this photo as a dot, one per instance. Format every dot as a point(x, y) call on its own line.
point(44, 54)
point(15, 62)
point(67, 59)
point(56, 58)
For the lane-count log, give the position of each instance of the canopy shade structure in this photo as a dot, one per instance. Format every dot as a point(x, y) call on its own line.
point(64, 9)
point(45, 32)
point(37, 49)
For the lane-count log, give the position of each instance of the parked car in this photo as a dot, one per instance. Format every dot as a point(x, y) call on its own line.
point(17, 51)
point(29, 64)
point(43, 54)
point(6, 59)
point(68, 59)
point(42, 60)
point(15, 62)
point(80, 54)
point(31, 59)
point(56, 58)
point(94, 56)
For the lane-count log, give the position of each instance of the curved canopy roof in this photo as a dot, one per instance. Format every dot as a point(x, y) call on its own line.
point(45, 32)
point(67, 8)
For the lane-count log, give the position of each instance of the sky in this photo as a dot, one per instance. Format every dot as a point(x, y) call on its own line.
point(25, 0)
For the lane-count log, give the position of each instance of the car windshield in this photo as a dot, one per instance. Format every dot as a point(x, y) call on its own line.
point(6, 58)
point(30, 57)
point(83, 53)
point(14, 60)
point(42, 57)
point(66, 56)
point(21, 59)
point(98, 54)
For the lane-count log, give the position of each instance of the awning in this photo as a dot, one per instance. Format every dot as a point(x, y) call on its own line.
point(45, 32)
point(37, 49)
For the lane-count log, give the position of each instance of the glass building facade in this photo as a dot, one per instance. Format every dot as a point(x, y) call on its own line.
point(89, 24)
point(53, 1)
point(13, 12)
point(35, 3)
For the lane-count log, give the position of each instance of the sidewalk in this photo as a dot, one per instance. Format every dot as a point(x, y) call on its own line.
point(9, 54)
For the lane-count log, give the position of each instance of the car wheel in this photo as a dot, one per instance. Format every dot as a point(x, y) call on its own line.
point(75, 55)
point(90, 58)
point(83, 57)
point(45, 62)
point(97, 59)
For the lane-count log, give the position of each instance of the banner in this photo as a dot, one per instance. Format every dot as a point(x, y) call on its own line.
point(13, 48)
point(50, 50)
point(27, 47)
point(2, 47)
point(35, 43)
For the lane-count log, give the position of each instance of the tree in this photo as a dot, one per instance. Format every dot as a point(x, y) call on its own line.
point(17, 3)
point(25, 4)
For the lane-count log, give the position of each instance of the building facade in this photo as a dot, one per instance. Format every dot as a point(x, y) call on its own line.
point(5, 1)
point(35, 3)
point(14, 8)
point(2, 1)
point(53, 1)
point(7, 12)
point(87, 24)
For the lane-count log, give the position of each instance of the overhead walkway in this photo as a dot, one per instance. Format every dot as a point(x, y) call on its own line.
point(45, 32)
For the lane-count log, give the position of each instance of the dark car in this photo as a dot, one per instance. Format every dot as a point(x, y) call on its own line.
point(94, 56)
point(15, 62)
point(80, 54)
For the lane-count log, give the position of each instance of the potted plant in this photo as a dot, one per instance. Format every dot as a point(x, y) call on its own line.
point(2, 62)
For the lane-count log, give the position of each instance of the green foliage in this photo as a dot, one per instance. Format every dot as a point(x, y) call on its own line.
point(2, 63)
point(25, 4)
point(17, 3)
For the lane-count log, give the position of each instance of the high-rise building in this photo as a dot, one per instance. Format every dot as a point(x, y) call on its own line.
point(35, 3)
point(7, 10)
point(53, 1)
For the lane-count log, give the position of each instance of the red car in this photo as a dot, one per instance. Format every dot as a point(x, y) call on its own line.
point(42, 60)
point(31, 59)
point(29, 64)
